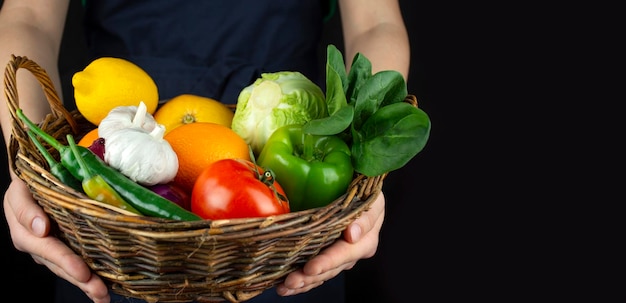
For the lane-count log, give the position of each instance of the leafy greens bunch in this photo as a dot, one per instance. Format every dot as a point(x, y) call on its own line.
point(368, 112)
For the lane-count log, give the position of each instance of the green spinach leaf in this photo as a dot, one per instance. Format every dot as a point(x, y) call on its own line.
point(384, 87)
point(367, 111)
point(391, 137)
point(331, 125)
point(360, 71)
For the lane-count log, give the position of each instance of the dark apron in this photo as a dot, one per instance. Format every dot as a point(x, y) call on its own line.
point(213, 49)
point(209, 48)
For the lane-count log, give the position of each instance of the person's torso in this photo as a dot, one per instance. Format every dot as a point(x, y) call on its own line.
point(212, 48)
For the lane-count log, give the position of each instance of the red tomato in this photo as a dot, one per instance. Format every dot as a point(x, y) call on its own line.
point(231, 188)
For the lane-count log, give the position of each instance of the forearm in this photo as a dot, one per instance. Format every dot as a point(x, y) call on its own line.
point(36, 34)
point(375, 28)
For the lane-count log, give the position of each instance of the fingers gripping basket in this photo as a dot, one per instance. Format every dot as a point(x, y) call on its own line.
point(161, 260)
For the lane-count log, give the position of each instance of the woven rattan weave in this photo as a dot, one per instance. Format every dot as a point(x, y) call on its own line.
point(170, 261)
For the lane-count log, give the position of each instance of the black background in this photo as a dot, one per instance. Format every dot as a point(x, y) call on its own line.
point(428, 249)
point(484, 213)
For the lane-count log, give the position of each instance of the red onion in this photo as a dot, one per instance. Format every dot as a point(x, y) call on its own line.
point(97, 147)
point(173, 193)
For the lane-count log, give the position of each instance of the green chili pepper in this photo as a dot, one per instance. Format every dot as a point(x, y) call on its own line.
point(56, 168)
point(141, 198)
point(313, 170)
point(94, 186)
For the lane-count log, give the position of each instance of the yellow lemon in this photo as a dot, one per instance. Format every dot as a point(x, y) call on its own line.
point(109, 82)
point(188, 108)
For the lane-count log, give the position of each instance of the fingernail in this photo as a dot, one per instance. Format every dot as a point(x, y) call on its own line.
point(355, 231)
point(283, 291)
point(38, 226)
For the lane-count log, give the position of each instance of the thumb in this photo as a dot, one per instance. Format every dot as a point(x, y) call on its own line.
point(368, 220)
point(19, 203)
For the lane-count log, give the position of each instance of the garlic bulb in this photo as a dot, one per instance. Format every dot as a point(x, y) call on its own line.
point(135, 146)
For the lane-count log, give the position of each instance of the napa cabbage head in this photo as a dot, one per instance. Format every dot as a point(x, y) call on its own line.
point(275, 100)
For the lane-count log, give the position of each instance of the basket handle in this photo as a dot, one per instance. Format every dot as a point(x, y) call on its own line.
point(10, 90)
point(19, 138)
point(411, 99)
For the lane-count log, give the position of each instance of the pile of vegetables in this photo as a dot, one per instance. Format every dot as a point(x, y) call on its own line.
point(309, 144)
point(117, 189)
point(364, 127)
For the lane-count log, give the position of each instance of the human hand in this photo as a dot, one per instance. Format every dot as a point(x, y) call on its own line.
point(360, 241)
point(29, 226)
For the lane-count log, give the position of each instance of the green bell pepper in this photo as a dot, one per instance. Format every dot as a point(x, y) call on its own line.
point(313, 170)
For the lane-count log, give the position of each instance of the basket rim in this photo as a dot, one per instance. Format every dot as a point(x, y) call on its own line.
point(107, 238)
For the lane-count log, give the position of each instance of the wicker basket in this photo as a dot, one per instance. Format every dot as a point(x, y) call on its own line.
point(161, 260)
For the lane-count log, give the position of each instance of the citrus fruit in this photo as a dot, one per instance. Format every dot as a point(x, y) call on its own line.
point(89, 137)
point(201, 143)
point(188, 108)
point(108, 82)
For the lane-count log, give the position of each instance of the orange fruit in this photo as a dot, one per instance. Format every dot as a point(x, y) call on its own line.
point(89, 137)
point(188, 108)
point(199, 144)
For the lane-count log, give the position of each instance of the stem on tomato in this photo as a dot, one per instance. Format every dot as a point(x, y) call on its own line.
point(268, 179)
